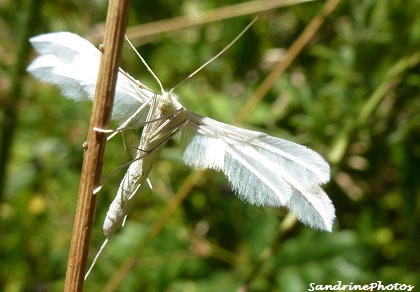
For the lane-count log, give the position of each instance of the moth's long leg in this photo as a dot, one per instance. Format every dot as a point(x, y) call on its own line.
point(114, 171)
point(175, 129)
point(125, 124)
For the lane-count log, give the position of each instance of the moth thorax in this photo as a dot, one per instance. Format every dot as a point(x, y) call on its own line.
point(166, 104)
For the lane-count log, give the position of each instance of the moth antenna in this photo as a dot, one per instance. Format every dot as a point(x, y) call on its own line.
point(145, 64)
point(96, 258)
point(215, 57)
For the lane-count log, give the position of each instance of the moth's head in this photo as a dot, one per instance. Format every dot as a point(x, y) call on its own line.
point(168, 103)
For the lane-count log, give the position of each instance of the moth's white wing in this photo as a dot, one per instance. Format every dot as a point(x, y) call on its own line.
point(72, 63)
point(263, 170)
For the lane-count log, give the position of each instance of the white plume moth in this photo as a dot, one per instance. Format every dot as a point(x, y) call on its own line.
point(261, 169)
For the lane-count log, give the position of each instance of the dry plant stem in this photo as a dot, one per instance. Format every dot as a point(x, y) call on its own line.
point(290, 55)
point(135, 33)
point(96, 141)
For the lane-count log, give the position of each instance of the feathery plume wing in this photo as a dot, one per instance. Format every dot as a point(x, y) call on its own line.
point(72, 63)
point(263, 170)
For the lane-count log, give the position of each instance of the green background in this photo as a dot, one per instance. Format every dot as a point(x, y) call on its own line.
point(351, 94)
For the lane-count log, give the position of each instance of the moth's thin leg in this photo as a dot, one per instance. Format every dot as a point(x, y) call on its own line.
point(124, 125)
point(116, 170)
point(177, 127)
point(96, 258)
point(150, 186)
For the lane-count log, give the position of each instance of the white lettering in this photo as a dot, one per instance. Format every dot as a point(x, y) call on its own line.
point(311, 285)
point(374, 286)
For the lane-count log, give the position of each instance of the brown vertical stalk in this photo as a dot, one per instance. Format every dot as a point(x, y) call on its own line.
point(93, 160)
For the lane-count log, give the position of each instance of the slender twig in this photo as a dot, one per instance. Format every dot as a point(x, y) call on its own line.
point(148, 32)
point(145, 32)
point(96, 141)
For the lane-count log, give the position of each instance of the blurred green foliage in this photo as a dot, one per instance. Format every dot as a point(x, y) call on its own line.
point(352, 94)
